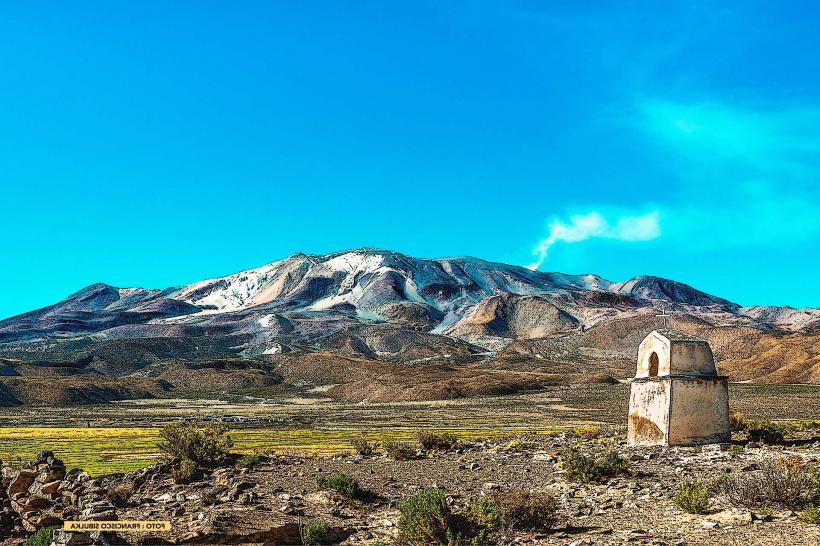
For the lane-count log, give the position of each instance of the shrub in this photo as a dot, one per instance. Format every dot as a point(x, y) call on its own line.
point(525, 511)
point(248, 461)
point(484, 515)
point(693, 496)
point(316, 532)
point(585, 468)
point(737, 422)
point(184, 471)
point(426, 519)
point(785, 485)
point(810, 515)
point(364, 447)
point(436, 442)
point(342, 483)
point(42, 537)
point(764, 510)
point(400, 451)
point(120, 495)
point(205, 447)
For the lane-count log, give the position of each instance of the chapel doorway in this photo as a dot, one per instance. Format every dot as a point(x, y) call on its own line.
point(653, 364)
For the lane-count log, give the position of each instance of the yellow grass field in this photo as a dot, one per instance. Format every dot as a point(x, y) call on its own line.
point(105, 450)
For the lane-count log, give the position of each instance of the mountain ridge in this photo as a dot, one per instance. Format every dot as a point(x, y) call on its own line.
point(476, 278)
point(387, 315)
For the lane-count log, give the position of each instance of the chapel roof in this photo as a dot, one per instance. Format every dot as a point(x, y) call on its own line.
point(674, 335)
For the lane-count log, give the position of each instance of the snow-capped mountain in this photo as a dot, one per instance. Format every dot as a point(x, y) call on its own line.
point(369, 279)
point(367, 320)
point(307, 297)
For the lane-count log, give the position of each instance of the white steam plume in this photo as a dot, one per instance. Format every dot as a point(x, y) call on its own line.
point(593, 225)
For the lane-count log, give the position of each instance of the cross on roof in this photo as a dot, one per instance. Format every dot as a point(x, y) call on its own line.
point(664, 316)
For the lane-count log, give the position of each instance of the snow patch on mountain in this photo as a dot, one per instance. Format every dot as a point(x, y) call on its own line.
point(229, 293)
point(783, 316)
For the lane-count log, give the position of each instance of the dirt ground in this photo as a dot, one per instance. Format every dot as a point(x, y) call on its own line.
point(270, 502)
point(267, 503)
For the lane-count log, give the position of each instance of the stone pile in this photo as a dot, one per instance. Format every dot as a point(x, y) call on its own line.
point(41, 493)
point(33, 492)
point(11, 526)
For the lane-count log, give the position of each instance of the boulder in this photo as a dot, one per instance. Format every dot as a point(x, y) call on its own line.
point(22, 482)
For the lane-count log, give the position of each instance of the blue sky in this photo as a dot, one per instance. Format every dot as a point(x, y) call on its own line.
point(155, 144)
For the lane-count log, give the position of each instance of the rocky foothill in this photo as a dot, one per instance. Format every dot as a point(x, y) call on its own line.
point(277, 499)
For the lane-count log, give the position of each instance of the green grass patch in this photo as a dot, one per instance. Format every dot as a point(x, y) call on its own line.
point(103, 450)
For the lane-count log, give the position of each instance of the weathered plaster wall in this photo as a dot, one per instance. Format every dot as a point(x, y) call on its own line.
point(657, 344)
point(689, 357)
point(648, 412)
point(699, 413)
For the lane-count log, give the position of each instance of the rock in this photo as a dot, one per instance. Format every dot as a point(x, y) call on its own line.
point(66, 538)
point(543, 456)
point(109, 515)
point(710, 524)
point(44, 520)
point(50, 474)
point(715, 448)
point(22, 482)
point(733, 516)
point(37, 501)
point(245, 498)
point(40, 488)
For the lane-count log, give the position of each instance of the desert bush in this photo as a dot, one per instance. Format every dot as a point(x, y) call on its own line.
point(425, 518)
point(525, 511)
point(693, 496)
point(41, 537)
point(436, 442)
point(585, 468)
point(400, 451)
point(205, 447)
point(184, 471)
point(316, 532)
point(784, 484)
point(120, 494)
point(364, 447)
point(342, 483)
point(249, 461)
point(484, 515)
point(737, 422)
point(811, 514)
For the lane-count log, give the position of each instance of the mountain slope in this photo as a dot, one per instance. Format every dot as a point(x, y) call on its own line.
point(383, 308)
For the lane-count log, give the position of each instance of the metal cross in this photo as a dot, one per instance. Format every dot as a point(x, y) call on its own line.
point(664, 316)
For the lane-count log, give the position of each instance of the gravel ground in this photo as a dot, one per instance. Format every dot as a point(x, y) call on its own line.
point(636, 508)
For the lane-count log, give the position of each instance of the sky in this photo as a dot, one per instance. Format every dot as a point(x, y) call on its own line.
point(155, 144)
